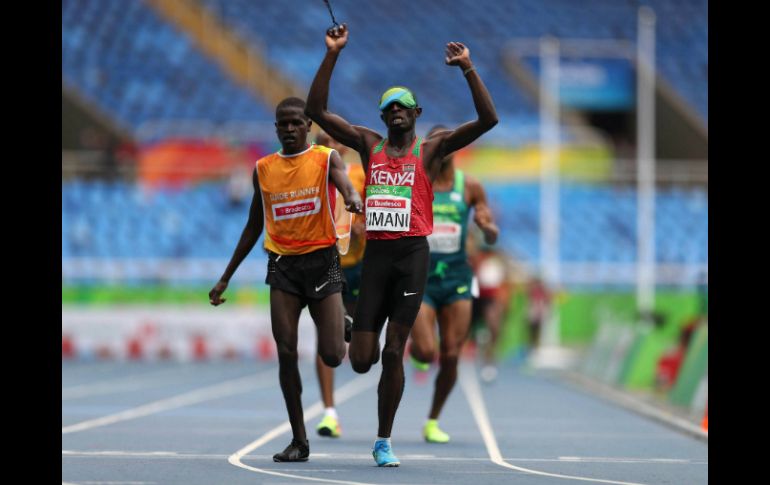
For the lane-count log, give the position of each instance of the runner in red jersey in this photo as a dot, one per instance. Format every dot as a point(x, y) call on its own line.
point(399, 216)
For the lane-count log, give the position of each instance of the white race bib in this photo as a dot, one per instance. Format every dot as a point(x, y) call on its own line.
point(445, 238)
point(388, 208)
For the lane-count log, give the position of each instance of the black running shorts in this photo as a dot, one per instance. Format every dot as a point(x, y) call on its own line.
point(392, 282)
point(311, 276)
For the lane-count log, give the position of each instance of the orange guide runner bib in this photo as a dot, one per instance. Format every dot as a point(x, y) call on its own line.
point(296, 200)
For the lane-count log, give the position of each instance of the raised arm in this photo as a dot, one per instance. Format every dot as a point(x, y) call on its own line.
point(358, 138)
point(449, 141)
point(482, 214)
point(249, 237)
point(342, 182)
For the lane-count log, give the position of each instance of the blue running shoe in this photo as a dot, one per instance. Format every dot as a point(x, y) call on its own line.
point(383, 455)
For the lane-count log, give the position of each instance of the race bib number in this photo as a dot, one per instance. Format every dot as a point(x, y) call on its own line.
point(445, 237)
point(388, 208)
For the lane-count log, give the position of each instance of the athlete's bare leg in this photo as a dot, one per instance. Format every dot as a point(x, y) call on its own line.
point(326, 373)
point(493, 316)
point(454, 326)
point(391, 386)
point(285, 309)
point(423, 347)
point(325, 381)
point(364, 350)
point(329, 317)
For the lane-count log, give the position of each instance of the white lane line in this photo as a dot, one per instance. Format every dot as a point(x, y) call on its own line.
point(358, 456)
point(227, 388)
point(352, 388)
point(470, 386)
point(106, 483)
point(142, 454)
point(607, 459)
point(127, 383)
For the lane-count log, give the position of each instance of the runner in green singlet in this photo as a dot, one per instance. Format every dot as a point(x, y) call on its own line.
point(448, 291)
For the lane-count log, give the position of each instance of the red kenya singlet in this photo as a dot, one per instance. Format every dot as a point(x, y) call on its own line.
point(399, 195)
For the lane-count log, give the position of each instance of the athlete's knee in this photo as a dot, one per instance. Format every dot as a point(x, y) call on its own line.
point(360, 366)
point(287, 356)
point(392, 356)
point(422, 352)
point(449, 359)
point(363, 359)
point(332, 360)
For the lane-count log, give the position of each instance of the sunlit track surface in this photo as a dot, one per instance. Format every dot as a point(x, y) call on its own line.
point(184, 423)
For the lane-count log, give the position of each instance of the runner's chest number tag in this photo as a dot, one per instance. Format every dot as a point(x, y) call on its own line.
point(445, 237)
point(388, 208)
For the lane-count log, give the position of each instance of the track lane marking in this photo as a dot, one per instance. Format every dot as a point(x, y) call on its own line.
point(358, 456)
point(350, 389)
point(216, 391)
point(472, 391)
point(130, 382)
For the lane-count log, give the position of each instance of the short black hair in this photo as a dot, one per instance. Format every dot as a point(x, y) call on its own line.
point(291, 102)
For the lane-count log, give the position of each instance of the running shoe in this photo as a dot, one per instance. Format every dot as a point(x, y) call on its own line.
point(433, 434)
point(296, 451)
point(420, 366)
point(330, 427)
point(348, 327)
point(383, 455)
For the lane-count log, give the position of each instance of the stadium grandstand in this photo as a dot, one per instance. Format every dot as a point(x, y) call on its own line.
point(143, 76)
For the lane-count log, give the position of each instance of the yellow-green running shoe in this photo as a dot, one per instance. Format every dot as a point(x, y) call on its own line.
point(433, 434)
point(329, 427)
point(420, 366)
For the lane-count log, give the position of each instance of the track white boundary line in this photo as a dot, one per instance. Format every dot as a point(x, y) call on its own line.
point(107, 386)
point(353, 456)
point(352, 388)
point(470, 386)
point(223, 389)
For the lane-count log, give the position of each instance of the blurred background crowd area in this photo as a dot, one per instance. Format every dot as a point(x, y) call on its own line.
point(167, 104)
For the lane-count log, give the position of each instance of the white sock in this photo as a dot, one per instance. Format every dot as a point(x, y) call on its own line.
point(380, 438)
point(331, 412)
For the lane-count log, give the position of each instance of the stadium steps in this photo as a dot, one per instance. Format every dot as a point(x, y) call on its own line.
point(244, 62)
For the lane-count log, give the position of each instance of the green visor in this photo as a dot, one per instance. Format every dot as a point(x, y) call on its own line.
point(399, 95)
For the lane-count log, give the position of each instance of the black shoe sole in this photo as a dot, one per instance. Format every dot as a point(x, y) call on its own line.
point(288, 461)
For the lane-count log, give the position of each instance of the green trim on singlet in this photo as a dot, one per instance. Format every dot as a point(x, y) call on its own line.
point(460, 183)
point(447, 208)
point(416, 150)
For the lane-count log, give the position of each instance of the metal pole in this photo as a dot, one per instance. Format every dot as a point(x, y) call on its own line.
point(549, 178)
point(645, 153)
